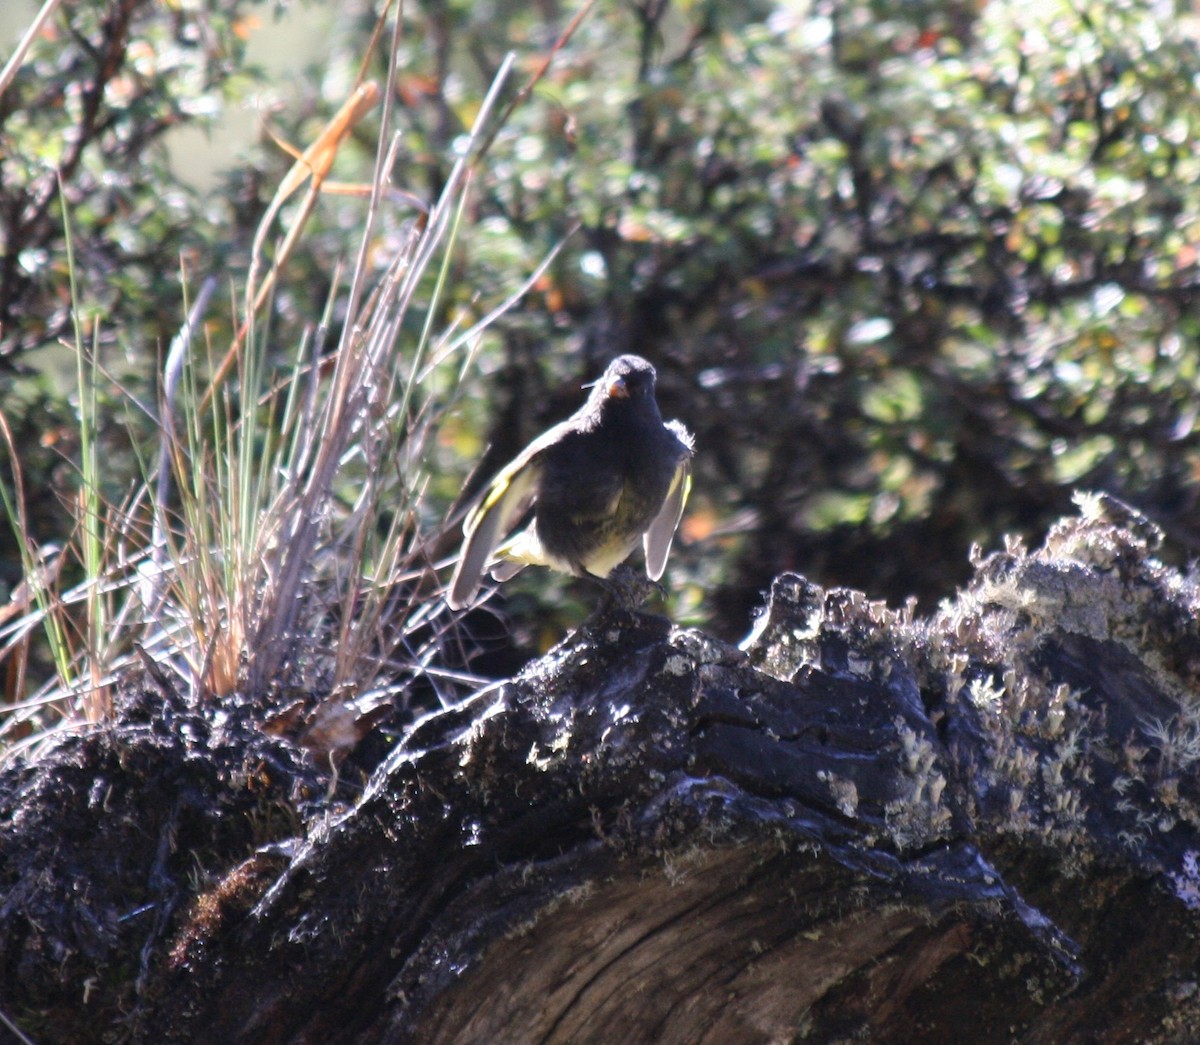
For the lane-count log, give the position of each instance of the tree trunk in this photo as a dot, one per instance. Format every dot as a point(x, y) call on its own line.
point(978, 827)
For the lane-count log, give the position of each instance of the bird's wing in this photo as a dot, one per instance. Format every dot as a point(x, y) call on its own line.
point(657, 539)
point(506, 500)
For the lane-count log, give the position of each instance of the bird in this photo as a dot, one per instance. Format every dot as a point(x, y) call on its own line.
point(611, 475)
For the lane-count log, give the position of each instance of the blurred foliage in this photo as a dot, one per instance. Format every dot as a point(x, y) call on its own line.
point(912, 272)
point(89, 111)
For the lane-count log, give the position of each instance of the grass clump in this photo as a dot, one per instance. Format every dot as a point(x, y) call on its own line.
point(279, 546)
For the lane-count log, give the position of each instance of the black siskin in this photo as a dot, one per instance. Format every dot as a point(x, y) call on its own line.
point(610, 475)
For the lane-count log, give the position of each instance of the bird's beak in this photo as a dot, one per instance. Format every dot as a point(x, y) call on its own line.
point(618, 389)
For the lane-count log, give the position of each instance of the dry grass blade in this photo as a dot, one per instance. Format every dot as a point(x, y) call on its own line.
point(359, 391)
point(311, 165)
point(38, 584)
point(15, 61)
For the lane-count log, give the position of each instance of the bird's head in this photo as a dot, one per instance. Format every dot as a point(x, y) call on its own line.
point(627, 377)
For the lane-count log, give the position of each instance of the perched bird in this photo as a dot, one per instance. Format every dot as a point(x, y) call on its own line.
point(610, 475)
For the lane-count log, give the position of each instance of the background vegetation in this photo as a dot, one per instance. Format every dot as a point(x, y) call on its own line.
point(912, 272)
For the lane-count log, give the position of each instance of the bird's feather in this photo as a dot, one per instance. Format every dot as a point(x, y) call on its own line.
point(506, 500)
point(657, 540)
point(506, 569)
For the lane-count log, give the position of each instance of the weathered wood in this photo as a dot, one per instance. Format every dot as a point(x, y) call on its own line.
point(978, 827)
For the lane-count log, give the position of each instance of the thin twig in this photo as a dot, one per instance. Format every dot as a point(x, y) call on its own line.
point(313, 164)
point(18, 56)
point(474, 331)
point(520, 97)
point(20, 1035)
point(172, 370)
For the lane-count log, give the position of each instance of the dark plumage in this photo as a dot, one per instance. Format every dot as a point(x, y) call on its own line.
point(610, 475)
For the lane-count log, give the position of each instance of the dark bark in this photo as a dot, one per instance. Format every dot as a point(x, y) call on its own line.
point(978, 827)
